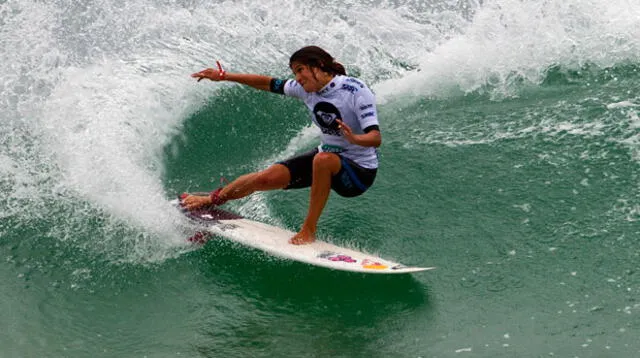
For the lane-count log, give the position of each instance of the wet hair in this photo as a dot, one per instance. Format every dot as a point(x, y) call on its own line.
point(314, 56)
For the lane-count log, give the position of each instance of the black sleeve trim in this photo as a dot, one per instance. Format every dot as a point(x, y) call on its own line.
point(372, 128)
point(277, 85)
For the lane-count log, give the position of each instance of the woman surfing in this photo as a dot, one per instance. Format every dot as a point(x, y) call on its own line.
point(346, 160)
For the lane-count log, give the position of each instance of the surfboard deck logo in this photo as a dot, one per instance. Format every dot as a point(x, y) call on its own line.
point(214, 221)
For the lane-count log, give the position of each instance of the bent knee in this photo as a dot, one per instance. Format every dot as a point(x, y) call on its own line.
point(327, 160)
point(324, 157)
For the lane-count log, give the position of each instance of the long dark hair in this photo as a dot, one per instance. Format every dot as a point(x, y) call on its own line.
point(314, 56)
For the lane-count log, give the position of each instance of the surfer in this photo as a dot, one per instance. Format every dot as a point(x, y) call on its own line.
point(346, 160)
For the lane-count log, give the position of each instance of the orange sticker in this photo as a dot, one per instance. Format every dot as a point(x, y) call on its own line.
point(372, 265)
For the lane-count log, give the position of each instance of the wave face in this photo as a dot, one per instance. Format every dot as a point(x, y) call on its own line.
point(511, 151)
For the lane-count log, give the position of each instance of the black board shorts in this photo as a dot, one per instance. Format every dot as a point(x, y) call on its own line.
point(351, 180)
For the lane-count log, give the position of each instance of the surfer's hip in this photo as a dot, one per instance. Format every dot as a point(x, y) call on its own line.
point(351, 180)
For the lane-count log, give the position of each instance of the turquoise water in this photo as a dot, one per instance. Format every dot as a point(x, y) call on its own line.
point(511, 145)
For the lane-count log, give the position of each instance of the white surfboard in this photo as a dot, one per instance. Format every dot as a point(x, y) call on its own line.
point(275, 241)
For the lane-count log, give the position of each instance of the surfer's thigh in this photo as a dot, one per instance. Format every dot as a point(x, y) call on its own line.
point(352, 179)
point(301, 169)
point(275, 177)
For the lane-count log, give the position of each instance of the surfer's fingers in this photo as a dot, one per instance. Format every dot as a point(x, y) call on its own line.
point(345, 128)
point(206, 73)
point(198, 75)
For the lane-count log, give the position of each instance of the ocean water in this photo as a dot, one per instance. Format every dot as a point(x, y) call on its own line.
point(510, 160)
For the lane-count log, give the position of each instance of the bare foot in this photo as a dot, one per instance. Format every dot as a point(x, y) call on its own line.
point(192, 202)
point(303, 237)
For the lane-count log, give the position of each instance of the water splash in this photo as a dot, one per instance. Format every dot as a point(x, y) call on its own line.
point(509, 42)
point(93, 91)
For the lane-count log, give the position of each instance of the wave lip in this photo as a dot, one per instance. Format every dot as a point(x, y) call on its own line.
point(510, 42)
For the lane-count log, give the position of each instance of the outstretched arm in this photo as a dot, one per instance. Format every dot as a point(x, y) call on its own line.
point(260, 82)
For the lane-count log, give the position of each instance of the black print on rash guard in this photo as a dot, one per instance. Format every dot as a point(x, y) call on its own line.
point(326, 115)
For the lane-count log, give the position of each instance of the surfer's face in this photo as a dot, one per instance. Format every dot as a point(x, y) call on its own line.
point(310, 78)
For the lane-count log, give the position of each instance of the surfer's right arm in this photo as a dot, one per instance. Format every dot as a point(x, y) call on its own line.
point(260, 82)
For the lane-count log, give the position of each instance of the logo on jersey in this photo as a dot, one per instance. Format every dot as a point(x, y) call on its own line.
point(349, 88)
point(326, 115)
point(353, 80)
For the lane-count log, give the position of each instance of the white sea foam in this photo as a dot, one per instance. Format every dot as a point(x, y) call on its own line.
point(510, 41)
point(623, 104)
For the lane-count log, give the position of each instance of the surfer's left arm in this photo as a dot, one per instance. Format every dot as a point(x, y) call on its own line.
point(364, 106)
point(370, 138)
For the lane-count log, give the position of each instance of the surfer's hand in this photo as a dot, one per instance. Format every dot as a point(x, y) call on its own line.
point(370, 139)
point(209, 73)
point(193, 202)
point(346, 132)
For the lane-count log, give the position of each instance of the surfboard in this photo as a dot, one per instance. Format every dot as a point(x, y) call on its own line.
point(275, 241)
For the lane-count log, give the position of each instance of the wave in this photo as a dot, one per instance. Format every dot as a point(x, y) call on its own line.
point(508, 42)
point(93, 92)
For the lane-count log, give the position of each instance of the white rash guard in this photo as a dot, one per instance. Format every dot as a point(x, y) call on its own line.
point(345, 98)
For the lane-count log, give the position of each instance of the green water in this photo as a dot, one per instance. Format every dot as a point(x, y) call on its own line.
point(527, 206)
point(519, 182)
